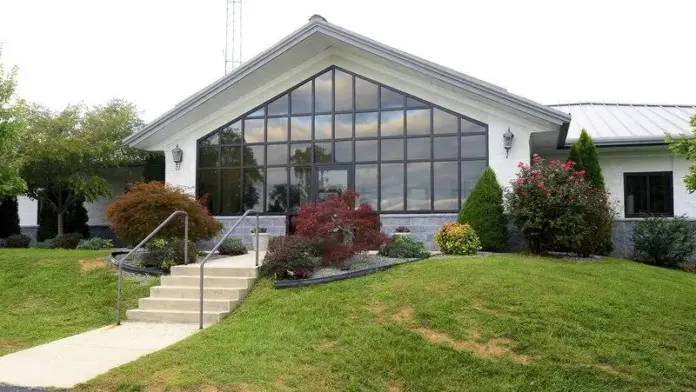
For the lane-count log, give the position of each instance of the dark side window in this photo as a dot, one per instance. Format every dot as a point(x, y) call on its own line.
point(648, 194)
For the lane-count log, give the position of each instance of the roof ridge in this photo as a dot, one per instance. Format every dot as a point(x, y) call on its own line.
point(319, 25)
point(586, 103)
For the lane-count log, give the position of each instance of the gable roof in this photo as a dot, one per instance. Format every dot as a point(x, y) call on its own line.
point(614, 124)
point(317, 25)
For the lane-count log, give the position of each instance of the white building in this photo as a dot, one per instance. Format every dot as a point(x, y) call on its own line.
point(327, 109)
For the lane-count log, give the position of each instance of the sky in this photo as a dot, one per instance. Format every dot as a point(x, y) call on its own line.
point(156, 53)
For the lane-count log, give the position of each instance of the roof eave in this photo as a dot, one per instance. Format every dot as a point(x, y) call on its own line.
point(484, 89)
point(207, 92)
point(562, 135)
point(625, 142)
point(450, 76)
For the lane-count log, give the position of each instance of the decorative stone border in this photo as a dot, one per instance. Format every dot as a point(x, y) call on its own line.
point(132, 268)
point(285, 284)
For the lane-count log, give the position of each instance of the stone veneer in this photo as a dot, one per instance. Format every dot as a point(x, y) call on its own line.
point(275, 225)
point(423, 226)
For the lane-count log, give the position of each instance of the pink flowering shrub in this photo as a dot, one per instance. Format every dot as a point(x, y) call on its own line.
point(554, 207)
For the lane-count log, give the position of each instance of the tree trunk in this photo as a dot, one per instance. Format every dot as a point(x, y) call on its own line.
point(60, 222)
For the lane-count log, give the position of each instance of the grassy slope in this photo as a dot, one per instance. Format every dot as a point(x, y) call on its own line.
point(613, 325)
point(46, 295)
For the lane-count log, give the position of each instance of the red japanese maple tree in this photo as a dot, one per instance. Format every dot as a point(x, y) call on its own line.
point(340, 229)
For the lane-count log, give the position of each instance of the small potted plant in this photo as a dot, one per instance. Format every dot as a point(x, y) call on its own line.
point(264, 237)
point(402, 231)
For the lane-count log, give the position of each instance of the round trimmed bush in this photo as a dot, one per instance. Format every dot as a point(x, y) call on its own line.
point(232, 247)
point(156, 253)
point(95, 243)
point(164, 254)
point(67, 241)
point(403, 247)
point(457, 239)
point(137, 213)
point(663, 241)
point(289, 257)
point(175, 253)
point(17, 241)
point(47, 244)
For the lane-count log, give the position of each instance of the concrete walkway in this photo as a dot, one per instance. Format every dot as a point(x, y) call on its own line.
point(240, 261)
point(67, 362)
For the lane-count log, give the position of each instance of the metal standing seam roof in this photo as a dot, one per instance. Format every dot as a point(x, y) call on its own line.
point(626, 124)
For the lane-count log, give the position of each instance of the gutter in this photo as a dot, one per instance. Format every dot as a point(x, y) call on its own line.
point(623, 142)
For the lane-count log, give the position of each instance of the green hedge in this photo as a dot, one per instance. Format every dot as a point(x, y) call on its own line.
point(483, 211)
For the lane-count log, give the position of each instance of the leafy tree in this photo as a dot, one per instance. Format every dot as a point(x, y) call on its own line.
point(584, 154)
point(340, 229)
point(685, 146)
point(547, 203)
point(484, 212)
point(9, 217)
point(136, 214)
point(589, 160)
point(76, 219)
point(12, 127)
point(48, 226)
point(65, 153)
point(556, 209)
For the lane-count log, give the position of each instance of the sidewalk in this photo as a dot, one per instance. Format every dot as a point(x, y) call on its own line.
point(76, 359)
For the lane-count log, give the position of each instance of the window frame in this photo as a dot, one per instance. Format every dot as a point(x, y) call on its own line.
point(422, 104)
point(648, 175)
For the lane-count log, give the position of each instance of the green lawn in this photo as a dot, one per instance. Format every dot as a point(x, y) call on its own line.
point(50, 294)
point(511, 322)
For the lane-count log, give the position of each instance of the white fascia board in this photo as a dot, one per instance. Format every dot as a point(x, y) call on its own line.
point(444, 74)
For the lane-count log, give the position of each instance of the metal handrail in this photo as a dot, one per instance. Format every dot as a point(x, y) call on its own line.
point(120, 263)
point(224, 237)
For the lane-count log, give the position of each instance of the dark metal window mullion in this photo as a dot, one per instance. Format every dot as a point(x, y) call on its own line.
point(219, 176)
point(353, 138)
point(405, 143)
point(460, 195)
point(432, 166)
point(313, 188)
point(333, 115)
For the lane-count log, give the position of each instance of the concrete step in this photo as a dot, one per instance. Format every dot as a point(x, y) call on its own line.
point(187, 304)
point(173, 316)
point(195, 270)
point(208, 281)
point(194, 292)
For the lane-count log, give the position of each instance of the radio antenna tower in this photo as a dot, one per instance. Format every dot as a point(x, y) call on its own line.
point(233, 35)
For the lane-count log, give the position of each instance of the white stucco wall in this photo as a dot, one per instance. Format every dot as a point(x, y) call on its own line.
point(119, 178)
point(617, 161)
point(614, 165)
point(498, 118)
point(28, 211)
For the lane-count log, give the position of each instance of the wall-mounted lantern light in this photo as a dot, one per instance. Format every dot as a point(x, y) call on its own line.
point(178, 156)
point(507, 141)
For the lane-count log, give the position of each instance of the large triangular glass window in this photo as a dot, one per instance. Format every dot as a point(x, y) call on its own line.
point(403, 154)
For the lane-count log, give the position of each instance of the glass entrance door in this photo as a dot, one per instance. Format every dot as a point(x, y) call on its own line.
point(331, 180)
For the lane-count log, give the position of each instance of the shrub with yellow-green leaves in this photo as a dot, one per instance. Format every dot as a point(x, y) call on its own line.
point(457, 239)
